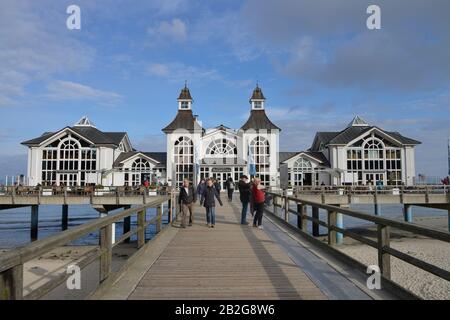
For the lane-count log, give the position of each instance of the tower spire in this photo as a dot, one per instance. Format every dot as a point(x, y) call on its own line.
point(257, 100)
point(185, 99)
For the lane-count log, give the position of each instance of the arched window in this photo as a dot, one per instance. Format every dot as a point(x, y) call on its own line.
point(67, 160)
point(260, 150)
point(184, 160)
point(141, 165)
point(302, 165)
point(221, 147)
point(302, 172)
point(373, 154)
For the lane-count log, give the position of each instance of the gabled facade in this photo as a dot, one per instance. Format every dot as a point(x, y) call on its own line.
point(195, 153)
point(362, 154)
point(81, 155)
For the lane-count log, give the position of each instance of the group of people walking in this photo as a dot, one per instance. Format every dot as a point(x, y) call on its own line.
point(251, 194)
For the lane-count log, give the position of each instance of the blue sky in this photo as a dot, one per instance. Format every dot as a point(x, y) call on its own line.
point(316, 61)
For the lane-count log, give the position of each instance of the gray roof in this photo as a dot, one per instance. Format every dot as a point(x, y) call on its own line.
point(90, 133)
point(259, 120)
point(350, 133)
point(161, 157)
point(183, 120)
point(257, 94)
point(185, 94)
point(284, 156)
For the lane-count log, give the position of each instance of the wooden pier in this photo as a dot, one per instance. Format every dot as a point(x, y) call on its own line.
point(230, 261)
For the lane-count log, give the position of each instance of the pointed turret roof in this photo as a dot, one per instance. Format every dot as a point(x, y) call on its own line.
point(184, 119)
point(257, 94)
point(185, 94)
point(358, 122)
point(84, 122)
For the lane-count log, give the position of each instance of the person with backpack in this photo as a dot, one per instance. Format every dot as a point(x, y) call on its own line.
point(209, 197)
point(230, 188)
point(258, 202)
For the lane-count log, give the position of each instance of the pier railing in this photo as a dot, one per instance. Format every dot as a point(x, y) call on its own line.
point(335, 231)
point(96, 191)
point(371, 190)
point(12, 262)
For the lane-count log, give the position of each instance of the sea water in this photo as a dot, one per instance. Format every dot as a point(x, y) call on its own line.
point(15, 224)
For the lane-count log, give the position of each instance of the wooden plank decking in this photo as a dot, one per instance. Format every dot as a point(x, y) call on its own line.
point(228, 262)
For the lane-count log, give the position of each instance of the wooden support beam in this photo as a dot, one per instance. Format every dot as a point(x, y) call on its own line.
point(127, 224)
point(11, 283)
point(169, 210)
point(315, 225)
point(302, 223)
point(384, 258)
point(34, 222)
point(141, 228)
point(65, 217)
point(331, 223)
point(159, 213)
point(106, 249)
point(407, 213)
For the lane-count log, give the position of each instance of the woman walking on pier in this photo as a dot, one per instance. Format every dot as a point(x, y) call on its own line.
point(258, 202)
point(209, 202)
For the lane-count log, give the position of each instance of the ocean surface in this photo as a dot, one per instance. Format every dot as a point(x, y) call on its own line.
point(15, 223)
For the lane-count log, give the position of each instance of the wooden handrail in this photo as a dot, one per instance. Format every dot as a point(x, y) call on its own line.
point(11, 262)
point(382, 244)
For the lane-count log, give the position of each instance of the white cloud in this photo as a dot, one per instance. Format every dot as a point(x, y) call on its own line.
point(33, 48)
point(176, 72)
point(159, 69)
point(175, 30)
point(66, 90)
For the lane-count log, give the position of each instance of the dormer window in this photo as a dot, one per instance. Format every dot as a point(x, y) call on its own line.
point(257, 105)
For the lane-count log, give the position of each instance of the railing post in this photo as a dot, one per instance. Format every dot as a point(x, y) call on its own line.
point(127, 224)
point(315, 225)
point(302, 222)
point(141, 228)
point(331, 223)
point(275, 205)
point(169, 210)
point(11, 283)
point(286, 207)
point(106, 252)
point(384, 258)
point(159, 213)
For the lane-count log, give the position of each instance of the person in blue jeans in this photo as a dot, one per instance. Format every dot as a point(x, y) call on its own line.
point(244, 196)
point(209, 196)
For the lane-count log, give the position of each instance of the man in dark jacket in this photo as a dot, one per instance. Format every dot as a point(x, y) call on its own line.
point(244, 195)
point(200, 188)
point(208, 199)
point(186, 200)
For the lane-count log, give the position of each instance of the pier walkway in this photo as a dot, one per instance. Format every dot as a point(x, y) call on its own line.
point(230, 261)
